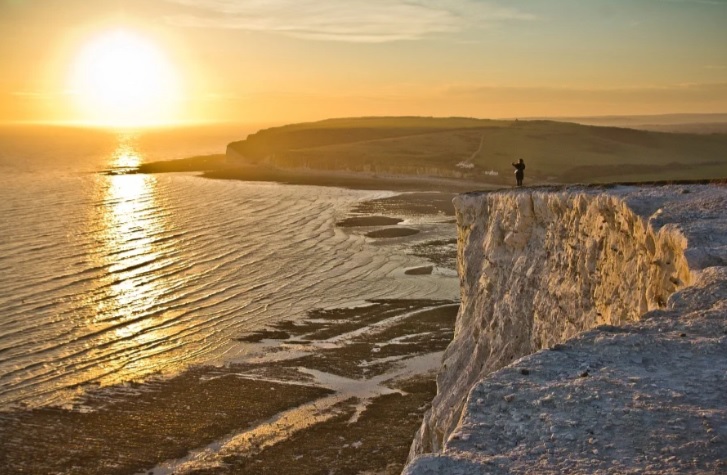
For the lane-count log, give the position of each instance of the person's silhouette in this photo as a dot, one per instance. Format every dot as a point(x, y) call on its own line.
point(519, 172)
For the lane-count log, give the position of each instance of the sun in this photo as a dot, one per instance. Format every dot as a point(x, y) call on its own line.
point(122, 79)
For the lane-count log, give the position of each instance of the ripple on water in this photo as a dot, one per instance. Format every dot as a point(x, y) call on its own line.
point(114, 278)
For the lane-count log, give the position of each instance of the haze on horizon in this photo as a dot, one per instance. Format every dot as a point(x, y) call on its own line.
point(161, 61)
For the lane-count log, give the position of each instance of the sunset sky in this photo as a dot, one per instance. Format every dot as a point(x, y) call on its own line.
point(281, 61)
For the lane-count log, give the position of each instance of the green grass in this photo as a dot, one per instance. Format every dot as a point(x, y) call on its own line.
point(554, 152)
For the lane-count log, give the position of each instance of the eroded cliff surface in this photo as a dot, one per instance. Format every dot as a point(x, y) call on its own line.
point(539, 267)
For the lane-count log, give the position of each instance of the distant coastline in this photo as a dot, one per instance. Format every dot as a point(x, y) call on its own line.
point(346, 179)
point(456, 154)
point(217, 166)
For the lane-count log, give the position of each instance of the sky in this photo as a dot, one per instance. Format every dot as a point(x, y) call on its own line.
point(279, 61)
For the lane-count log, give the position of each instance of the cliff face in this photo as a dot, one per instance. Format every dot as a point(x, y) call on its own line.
point(537, 268)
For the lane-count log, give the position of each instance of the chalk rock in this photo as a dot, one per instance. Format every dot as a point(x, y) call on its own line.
point(642, 268)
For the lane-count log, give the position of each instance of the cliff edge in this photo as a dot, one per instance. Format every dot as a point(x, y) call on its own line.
point(591, 337)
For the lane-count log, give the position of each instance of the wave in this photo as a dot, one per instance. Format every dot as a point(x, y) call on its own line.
point(115, 278)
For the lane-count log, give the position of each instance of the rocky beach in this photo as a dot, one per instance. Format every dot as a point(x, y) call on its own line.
point(343, 389)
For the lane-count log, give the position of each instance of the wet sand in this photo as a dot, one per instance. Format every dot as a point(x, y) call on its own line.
point(356, 221)
point(441, 252)
point(128, 429)
point(342, 391)
point(354, 180)
point(429, 203)
point(377, 443)
point(374, 361)
point(388, 233)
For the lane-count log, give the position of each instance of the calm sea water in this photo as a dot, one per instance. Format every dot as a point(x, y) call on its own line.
point(111, 278)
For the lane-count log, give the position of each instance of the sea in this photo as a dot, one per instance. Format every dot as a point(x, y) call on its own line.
point(107, 277)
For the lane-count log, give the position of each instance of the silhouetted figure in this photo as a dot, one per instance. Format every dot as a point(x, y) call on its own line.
point(519, 171)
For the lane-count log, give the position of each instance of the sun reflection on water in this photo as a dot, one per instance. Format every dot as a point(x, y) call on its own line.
point(126, 157)
point(131, 224)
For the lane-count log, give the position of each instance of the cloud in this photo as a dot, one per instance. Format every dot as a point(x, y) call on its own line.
point(364, 21)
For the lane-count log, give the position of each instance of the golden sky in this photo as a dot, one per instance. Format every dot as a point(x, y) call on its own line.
point(262, 61)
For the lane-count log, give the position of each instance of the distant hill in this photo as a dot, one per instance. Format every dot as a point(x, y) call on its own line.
point(267, 142)
point(482, 150)
point(679, 123)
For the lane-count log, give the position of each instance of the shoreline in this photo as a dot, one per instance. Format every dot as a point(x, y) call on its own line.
point(346, 179)
point(344, 388)
point(218, 167)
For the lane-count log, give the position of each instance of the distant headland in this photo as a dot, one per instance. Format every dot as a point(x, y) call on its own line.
point(458, 153)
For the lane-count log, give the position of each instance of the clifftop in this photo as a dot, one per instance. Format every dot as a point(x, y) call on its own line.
point(521, 390)
point(482, 150)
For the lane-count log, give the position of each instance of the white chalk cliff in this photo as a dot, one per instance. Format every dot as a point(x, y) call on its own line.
point(526, 387)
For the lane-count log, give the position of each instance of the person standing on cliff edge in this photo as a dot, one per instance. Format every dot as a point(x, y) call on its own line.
point(519, 171)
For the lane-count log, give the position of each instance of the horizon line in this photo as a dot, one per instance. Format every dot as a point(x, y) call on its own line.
point(222, 122)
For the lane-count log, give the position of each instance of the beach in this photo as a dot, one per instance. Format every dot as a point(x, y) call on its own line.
point(352, 403)
point(219, 166)
point(339, 385)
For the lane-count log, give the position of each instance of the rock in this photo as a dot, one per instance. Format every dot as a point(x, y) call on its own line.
point(422, 270)
point(617, 275)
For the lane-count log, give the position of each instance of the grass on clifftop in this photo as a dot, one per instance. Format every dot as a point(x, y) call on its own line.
point(482, 150)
